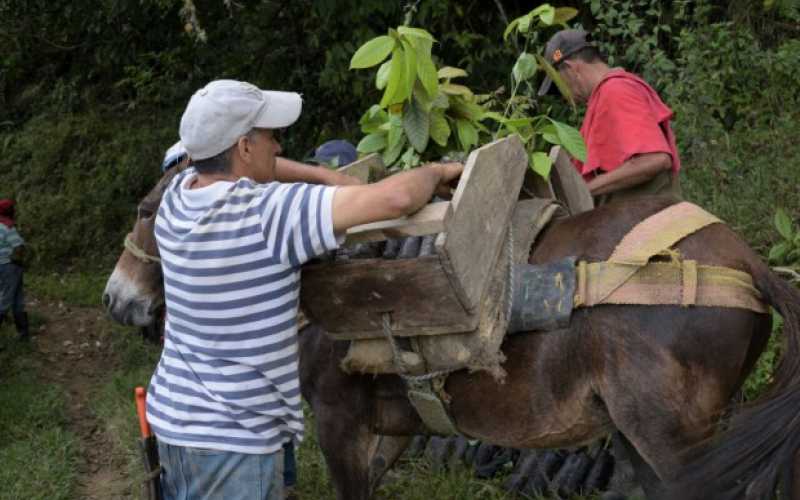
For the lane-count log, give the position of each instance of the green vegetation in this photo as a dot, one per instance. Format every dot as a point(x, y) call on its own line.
point(38, 454)
point(91, 96)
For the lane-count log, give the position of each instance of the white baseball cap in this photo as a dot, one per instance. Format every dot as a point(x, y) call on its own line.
point(224, 110)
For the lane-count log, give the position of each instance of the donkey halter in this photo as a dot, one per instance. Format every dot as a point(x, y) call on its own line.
point(137, 252)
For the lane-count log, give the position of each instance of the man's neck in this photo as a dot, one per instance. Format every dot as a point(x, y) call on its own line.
point(595, 73)
point(204, 180)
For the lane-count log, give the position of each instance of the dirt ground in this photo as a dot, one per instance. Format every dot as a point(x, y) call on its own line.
point(75, 353)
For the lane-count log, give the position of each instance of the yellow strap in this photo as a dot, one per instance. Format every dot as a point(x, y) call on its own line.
point(670, 283)
point(660, 232)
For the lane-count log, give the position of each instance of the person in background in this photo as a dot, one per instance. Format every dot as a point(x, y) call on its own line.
point(176, 156)
point(336, 153)
point(631, 149)
point(12, 259)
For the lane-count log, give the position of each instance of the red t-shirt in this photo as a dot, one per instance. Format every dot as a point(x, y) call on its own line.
point(625, 117)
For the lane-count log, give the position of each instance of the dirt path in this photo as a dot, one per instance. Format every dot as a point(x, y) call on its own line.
point(75, 353)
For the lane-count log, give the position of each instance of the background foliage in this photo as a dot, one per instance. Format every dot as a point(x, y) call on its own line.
point(91, 93)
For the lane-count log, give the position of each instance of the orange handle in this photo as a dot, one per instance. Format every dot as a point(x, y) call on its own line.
point(144, 427)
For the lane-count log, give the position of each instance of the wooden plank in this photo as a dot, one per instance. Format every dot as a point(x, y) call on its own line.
point(349, 298)
point(482, 206)
point(568, 184)
point(430, 219)
point(367, 169)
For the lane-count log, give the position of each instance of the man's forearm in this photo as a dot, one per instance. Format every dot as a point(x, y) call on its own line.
point(292, 171)
point(637, 170)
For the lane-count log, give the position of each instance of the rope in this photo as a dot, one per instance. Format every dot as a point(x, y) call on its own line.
point(510, 288)
point(398, 360)
point(138, 252)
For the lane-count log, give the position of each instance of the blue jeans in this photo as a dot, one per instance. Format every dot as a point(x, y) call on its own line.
point(11, 294)
point(198, 474)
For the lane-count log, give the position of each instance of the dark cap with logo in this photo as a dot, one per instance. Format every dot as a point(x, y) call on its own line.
point(562, 45)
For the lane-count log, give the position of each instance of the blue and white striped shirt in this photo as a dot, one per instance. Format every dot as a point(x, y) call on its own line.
point(231, 255)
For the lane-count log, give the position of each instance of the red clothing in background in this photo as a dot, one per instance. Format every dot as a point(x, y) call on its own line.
point(624, 117)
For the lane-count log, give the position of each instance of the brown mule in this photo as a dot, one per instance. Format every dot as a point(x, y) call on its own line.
point(660, 375)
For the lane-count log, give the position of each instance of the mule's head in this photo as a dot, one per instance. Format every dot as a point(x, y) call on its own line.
point(134, 294)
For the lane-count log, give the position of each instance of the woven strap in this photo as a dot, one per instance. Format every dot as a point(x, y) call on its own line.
point(654, 235)
point(683, 283)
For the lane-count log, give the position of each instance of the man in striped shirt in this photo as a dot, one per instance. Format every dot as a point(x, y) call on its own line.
point(225, 395)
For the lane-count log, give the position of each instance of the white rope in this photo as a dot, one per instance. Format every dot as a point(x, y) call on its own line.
point(138, 252)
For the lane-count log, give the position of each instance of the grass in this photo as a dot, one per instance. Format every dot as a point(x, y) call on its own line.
point(114, 403)
point(38, 454)
point(74, 288)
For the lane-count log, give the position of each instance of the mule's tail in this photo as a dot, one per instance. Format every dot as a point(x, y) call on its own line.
point(754, 457)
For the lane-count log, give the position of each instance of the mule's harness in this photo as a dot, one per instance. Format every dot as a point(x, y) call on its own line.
point(137, 252)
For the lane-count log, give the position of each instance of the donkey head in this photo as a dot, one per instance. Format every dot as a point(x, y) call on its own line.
point(134, 294)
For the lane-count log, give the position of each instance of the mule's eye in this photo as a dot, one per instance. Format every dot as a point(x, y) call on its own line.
point(144, 212)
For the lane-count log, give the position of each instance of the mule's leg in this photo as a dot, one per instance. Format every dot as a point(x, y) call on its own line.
point(346, 441)
point(387, 450)
point(646, 477)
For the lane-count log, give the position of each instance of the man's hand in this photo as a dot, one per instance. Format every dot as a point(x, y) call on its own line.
point(395, 196)
point(450, 172)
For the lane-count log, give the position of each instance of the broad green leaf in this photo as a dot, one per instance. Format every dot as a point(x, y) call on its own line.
point(422, 97)
point(416, 124)
point(553, 74)
point(373, 119)
point(493, 115)
point(546, 13)
point(372, 52)
point(448, 72)
point(382, 76)
point(779, 251)
point(410, 159)
point(524, 23)
point(426, 69)
point(519, 122)
point(564, 14)
point(511, 26)
point(541, 164)
point(395, 79)
point(467, 110)
point(571, 139)
point(549, 133)
point(372, 143)
point(390, 155)
point(397, 140)
point(524, 68)
point(454, 89)
point(467, 134)
point(440, 129)
point(409, 69)
point(783, 224)
point(415, 32)
point(441, 101)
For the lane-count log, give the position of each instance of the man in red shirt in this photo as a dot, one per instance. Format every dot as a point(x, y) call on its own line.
point(631, 148)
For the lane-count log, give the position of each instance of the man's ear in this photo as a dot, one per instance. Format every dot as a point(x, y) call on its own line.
point(243, 147)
